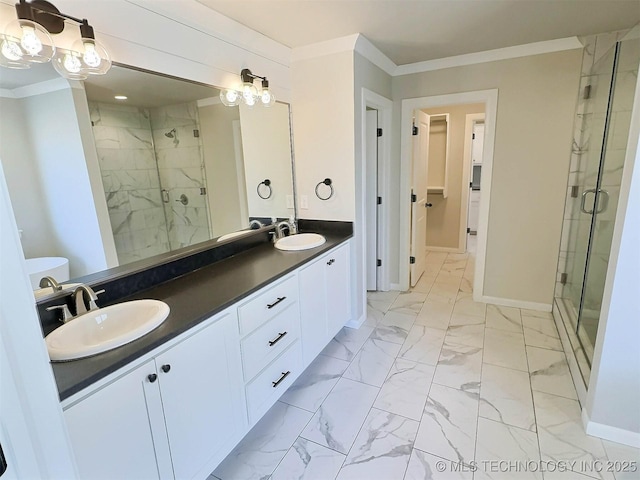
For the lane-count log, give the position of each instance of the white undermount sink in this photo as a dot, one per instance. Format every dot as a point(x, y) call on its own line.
point(105, 329)
point(301, 241)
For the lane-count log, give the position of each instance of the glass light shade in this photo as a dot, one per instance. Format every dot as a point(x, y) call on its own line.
point(11, 54)
point(267, 98)
point(230, 97)
point(69, 64)
point(94, 57)
point(249, 94)
point(29, 40)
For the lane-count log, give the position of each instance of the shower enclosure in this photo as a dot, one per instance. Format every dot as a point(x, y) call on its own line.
point(601, 131)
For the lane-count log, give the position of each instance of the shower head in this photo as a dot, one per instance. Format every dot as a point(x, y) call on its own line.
point(170, 133)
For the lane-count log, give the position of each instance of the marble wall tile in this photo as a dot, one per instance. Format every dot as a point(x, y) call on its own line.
point(515, 447)
point(448, 425)
point(405, 390)
point(460, 367)
point(310, 461)
point(561, 434)
point(505, 396)
point(504, 318)
point(315, 383)
point(423, 344)
point(373, 362)
point(338, 420)
point(262, 449)
point(505, 349)
point(550, 372)
point(143, 199)
point(382, 449)
point(106, 137)
point(135, 138)
point(423, 466)
point(347, 342)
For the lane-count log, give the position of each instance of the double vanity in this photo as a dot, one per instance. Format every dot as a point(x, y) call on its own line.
point(174, 402)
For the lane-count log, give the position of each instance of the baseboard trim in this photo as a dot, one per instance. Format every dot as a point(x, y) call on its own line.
point(444, 249)
point(356, 323)
point(507, 302)
point(607, 432)
point(395, 287)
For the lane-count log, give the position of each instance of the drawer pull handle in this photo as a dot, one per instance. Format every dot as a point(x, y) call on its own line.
point(284, 375)
point(271, 305)
point(280, 337)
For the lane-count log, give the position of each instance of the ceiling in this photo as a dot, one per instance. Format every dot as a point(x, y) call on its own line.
point(410, 31)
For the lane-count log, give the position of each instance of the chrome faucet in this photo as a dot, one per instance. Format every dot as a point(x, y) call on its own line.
point(50, 282)
point(280, 228)
point(78, 295)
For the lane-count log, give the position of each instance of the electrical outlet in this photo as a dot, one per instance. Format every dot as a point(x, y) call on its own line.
point(289, 201)
point(304, 202)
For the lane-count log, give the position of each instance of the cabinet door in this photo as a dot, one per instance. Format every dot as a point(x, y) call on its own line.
point(111, 431)
point(202, 395)
point(313, 309)
point(338, 289)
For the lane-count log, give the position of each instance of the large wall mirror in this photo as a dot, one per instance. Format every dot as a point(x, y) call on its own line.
point(105, 180)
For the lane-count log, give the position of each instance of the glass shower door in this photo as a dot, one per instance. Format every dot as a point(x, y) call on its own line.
point(607, 190)
point(587, 149)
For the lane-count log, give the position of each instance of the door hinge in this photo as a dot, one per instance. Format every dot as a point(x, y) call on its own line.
point(414, 199)
point(586, 92)
point(563, 278)
point(196, 133)
point(379, 132)
point(414, 131)
point(379, 200)
point(470, 184)
point(378, 263)
point(468, 230)
point(412, 260)
point(575, 189)
point(473, 136)
point(203, 190)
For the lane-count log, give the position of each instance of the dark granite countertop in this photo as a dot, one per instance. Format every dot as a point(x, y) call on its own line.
point(192, 298)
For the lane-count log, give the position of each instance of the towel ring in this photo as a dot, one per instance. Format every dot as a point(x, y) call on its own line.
point(328, 183)
point(267, 184)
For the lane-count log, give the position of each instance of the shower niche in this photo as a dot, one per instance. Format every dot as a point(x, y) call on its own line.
point(601, 131)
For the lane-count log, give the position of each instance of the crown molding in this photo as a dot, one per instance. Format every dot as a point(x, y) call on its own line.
point(517, 51)
point(329, 47)
point(369, 51)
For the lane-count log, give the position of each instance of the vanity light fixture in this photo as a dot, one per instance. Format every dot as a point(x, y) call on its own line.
point(120, 97)
point(27, 40)
point(248, 93)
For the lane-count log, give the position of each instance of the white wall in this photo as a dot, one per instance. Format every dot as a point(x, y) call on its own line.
point(614, 387)
point(536, 102)
point(16, 155)
point(323, 126)
point(266, 147)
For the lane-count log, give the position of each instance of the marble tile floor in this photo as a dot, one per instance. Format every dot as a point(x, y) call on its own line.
point(432, 386)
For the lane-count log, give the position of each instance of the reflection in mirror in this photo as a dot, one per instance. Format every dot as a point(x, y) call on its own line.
point(104, 180)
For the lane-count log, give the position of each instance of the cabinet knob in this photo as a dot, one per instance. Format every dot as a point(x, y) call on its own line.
point(152, 377)
point(165, 368)
point(331, 262)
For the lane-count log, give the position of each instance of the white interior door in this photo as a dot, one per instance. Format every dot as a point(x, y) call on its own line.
point(477, 143)
point(371, 255)
point(419, 169)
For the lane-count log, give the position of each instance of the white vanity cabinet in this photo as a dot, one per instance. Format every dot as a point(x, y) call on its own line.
point(168, 418)
point(324, 300)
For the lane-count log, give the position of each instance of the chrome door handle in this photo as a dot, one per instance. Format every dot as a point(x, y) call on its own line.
point(605, 201)
point(584, 199)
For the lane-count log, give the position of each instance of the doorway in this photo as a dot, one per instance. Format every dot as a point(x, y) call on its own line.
point(488, 98)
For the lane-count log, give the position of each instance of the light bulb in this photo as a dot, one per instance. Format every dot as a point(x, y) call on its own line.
point(71, 63)
point(11, 50)
point(30, 41)
point(249, 101)
point(267, 98)
point(230, 97)
point(249, 93)
point(90, 56)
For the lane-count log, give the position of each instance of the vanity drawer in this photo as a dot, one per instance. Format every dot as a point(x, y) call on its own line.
point(266, 304)
point(269, 341)
point(267, 387)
